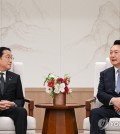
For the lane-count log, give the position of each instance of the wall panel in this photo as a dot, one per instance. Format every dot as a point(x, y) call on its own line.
point(59, 36)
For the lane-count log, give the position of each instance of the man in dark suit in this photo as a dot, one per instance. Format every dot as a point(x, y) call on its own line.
point(11, 94)
point(107, 94)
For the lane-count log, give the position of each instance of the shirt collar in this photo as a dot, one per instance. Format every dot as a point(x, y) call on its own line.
point(116, 69)
point(3, 72)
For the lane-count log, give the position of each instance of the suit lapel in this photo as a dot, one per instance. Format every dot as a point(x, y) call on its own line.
point(112, 77)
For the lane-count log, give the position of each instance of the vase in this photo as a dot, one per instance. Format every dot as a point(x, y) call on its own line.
point(60, 99)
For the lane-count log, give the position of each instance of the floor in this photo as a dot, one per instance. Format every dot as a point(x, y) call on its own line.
point(79, 132)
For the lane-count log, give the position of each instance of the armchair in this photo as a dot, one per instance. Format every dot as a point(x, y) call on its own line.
point(113, 126)
point(6, 123)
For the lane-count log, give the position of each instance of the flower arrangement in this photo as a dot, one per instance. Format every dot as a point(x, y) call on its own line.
point(55, 85)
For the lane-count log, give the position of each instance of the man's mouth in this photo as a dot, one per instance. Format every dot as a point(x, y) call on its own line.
point(114, 60)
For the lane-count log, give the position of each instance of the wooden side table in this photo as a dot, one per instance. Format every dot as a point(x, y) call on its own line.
point(59, 119)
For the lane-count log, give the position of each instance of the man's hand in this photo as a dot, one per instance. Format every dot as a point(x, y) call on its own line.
point(4, 104)
point(116, 103)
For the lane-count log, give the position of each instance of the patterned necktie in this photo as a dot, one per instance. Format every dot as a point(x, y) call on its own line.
point(2, 83)
point(118, 85)
point(118, 82)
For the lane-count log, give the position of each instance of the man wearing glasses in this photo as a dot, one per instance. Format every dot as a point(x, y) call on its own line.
point(11, 94)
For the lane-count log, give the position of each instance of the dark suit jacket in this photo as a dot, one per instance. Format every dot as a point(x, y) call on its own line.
point(106, 88)
point(13, 89)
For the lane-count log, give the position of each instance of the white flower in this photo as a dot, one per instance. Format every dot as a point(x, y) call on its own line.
point(62, 87)
point(48, 90)
point(66, 76)
point(52, 76)
point(57, 89)
point(70, 91)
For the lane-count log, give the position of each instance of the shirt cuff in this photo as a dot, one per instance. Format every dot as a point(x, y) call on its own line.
point(15, 105)
point(110, 103)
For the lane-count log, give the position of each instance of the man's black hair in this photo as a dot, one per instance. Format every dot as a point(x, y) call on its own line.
point(2, 49)
point(117, 42)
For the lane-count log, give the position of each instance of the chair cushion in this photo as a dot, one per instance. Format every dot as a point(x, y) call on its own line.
point(31, 123)
point(113, 125)
point(86, 124)
point(13, 132)
point(8, 125)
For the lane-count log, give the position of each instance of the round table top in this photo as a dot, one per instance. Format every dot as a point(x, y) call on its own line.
point(52, 106)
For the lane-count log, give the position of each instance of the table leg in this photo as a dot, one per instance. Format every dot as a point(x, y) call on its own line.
point(59, 121)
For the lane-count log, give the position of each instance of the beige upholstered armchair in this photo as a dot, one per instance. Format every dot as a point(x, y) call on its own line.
point(6, 123)
point(113, 126)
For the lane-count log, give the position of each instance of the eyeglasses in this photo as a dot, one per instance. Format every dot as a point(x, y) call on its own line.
point(9, 57)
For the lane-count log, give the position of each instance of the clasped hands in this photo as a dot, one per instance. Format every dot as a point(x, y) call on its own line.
point(5, 104)
point(116, 102)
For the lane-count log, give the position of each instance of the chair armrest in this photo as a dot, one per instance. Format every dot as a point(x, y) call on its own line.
point(88, 105)
point(30, 106)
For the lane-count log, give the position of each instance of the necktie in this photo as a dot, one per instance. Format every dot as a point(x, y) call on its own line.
point(118, 85)
point(2, 83)
point(118, 82)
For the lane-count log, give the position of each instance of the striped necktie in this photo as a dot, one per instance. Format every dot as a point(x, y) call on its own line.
point(2, 83)
point(118, 82)
point(118, 85)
